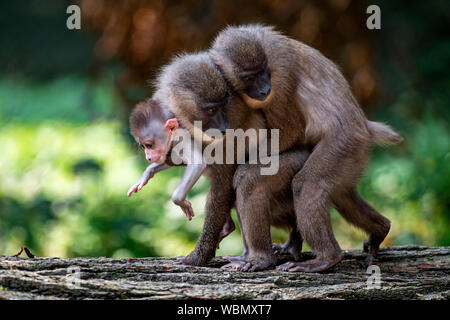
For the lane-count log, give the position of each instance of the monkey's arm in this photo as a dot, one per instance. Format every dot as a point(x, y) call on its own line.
point(149, 172)
point(190, 177)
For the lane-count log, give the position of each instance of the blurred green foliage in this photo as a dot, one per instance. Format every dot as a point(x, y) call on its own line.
point(67, 159)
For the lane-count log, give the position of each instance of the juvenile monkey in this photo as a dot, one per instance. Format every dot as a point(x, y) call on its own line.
point(306, 96)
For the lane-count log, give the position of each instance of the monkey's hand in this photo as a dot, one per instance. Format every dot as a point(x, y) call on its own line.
point(146, 176)
point(149, 172)
point(187, 208)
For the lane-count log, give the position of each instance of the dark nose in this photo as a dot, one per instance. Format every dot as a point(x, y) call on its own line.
point(265, 91)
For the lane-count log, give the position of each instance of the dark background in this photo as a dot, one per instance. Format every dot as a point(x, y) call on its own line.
point(67, 159)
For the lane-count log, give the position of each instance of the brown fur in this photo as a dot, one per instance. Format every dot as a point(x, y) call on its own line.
point(181, 87)
point(264, 201)
point(148, 117)
point(312, 105)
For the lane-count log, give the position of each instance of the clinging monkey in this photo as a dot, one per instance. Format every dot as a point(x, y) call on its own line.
point(186, 87)
point(304, 94)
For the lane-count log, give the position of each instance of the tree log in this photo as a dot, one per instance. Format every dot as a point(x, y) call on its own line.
point(406, 272)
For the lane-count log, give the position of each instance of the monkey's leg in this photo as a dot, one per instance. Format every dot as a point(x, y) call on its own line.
point(255, 222)
point(292, 246)
point(359, 213)
point(313, 221)
point(331, 166)
point(335, 165)
point(243, 187)
point(218, 207)
point(244, 254)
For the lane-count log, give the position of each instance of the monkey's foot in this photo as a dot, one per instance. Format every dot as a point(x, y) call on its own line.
point(248, 266)
point(287, 249)
point(314, 265)
point(242, 257)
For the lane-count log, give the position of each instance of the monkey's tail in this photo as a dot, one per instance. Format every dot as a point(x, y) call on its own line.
point(382, 134)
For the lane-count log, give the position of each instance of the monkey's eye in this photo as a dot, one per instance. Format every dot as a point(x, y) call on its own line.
point(249, 78)
point(149, 145)
point(211, 111)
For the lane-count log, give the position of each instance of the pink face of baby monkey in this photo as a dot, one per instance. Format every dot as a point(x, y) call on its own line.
point(157, 144)
point(152, 127)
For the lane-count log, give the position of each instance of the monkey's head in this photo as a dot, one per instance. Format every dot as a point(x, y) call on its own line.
point(152, 127)
point(195, 89)
point(241, 58)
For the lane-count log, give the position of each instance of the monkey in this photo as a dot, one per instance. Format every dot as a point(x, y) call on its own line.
point(153, 128)
point(264, 201)
point(185, 85)
point(192, 89)
point(304, 94)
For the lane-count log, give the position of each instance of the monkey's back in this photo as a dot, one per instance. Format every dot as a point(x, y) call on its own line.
point(311, 96)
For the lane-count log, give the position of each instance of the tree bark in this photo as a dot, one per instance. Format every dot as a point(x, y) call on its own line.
point(406, 272)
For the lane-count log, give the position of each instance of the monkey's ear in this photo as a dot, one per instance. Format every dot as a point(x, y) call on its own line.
point(171, 125)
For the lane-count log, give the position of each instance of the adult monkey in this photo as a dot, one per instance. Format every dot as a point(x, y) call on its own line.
point(305, 95)
point(187, 86)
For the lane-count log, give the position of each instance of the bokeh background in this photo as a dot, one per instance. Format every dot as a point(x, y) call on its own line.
point(67, 158)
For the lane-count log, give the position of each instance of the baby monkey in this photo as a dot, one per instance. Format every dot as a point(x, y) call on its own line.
point(154, 127)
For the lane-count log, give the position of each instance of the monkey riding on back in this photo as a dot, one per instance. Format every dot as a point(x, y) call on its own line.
point(304, 94)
